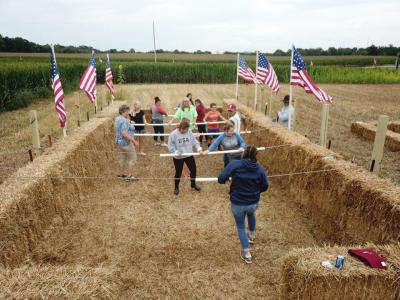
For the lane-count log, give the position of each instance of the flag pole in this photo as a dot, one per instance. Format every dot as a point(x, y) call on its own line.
point(95, 99)
point(290, 92)
point(154, 43)
point(237, 78)
point(270, 105)
point(256, 84)
point(55, 61)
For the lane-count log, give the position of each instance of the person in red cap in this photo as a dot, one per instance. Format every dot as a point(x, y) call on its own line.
point(234, 117)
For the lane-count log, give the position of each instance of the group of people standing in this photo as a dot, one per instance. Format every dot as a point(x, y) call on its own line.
point(248, 178)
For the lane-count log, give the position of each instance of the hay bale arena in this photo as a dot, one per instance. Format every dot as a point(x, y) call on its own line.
point(105, 238)
point(368, 131)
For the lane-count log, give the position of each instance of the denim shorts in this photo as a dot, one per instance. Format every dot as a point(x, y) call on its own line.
point(140, 131)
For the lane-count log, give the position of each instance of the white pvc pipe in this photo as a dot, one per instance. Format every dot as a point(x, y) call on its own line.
point(207, 179)
point(195, 134)
point(175, 124)
point(209, 153)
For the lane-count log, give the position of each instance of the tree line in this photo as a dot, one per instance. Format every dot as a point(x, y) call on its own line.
point(19, 44)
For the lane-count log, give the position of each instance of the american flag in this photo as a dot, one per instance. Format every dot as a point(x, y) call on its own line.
point(266, 73)
point(244, 71)
point(299, 76)
point(57, 90)
point(109, 78)
point(88, 80)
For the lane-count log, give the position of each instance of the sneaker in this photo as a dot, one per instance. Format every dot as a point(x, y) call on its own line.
point(164, 145)
point(142, 153)
point(122, 176)
point(157, 144)
point(131, 178)
point(251, 238)
point(196, 187)
point(176, 191)
point(246, 257)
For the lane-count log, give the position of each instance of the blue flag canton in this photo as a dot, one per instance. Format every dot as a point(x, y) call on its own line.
point(298, 61)
point(92, 61)
point(242, 63)
point(54, 70)
point(263, 61)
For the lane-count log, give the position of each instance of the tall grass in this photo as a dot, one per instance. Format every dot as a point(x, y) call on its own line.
point(22, 83)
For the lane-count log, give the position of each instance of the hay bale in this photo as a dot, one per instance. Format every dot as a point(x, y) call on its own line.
point(57, 282)
point(394, 126)
point(349, 204)
point(303, 276)
point(368, 131)
point(31, 198)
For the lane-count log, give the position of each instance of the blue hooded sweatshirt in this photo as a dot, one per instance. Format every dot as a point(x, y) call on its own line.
point(249, 180)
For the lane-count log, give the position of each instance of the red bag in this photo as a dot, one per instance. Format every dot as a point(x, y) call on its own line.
point(369, 257)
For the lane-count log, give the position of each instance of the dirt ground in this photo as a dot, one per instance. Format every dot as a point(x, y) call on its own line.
point(352, 103)
point(167, 246)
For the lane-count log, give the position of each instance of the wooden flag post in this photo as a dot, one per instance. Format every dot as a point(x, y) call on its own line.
point(35, 131)
point(324, 125)
point(270, 105)
point(290, 121)
point(379, 143)
point(237, 78)
point(256, 85)
point(78, 106)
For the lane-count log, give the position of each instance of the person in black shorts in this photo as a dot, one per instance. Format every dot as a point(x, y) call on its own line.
point(138, 117)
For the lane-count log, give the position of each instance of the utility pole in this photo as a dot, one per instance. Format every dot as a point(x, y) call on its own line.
point(154, 41)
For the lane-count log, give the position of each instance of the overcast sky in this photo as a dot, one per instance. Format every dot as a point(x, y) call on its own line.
point(215, 25)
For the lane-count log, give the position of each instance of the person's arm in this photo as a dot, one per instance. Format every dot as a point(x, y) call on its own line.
point(195, 143)
point(206, 117)
point(171, 143)
point(222, 117)
point(242, 143)
point(194, 115)
point(227, 172)
point(144, 118)
point(161, 110)
point(216, 143)
point(264, 184)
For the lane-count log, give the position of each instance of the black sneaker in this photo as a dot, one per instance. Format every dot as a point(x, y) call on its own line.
point(176, 191)
point(196, 188)
point(122, 176)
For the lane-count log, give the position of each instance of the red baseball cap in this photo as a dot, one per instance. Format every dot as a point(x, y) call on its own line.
point(231, 107)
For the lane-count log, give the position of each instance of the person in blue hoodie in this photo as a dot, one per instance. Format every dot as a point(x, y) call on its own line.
point(229, 140)
point(249, 180)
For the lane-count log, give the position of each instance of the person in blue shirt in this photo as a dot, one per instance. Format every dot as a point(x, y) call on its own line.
point(249, 180)
point(229, 140)
point(123, 139)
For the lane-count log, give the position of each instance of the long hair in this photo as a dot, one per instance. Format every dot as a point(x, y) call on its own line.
point(250, 153)
point(185, 123)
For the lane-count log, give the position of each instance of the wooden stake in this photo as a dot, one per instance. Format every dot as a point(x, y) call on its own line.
point(270, 105)
point(324, 125)
point(78, 105)
point(379, 143)
point(50, 142)
point(87, 116)
point(30, 155)
point(35, 131)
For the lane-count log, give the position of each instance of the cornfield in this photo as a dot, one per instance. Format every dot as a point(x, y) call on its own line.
point(24, 81)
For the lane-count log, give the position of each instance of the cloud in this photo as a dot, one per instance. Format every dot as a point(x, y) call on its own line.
point(206, 25)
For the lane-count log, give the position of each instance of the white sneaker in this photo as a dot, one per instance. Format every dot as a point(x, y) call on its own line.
point(164, 145)
point(157, 144)
point(142, 153)
point(246, 257)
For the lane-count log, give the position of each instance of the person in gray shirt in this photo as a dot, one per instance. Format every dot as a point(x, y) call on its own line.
point(182, 141)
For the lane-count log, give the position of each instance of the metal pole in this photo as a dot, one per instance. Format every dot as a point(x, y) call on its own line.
point(256, 84)
point(154, 42)
point(291, 92)
point(237, 78)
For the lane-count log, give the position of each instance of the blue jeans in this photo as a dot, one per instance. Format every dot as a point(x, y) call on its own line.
point(239, 213)
point(228, 159)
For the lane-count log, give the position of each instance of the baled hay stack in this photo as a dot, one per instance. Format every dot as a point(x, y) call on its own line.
point(304, 277)
point(394, 126)
point(368, 131)
point(58, 282)
point(31, 198)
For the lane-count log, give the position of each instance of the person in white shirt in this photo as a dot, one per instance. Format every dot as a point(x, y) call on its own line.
point(234, 117)
point(283, 115)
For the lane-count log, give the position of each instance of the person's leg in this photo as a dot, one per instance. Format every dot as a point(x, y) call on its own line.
point(251, 219)
point(178, 163)
point(191, 163)
point(141, 143)
point(199, 128)
point(226, 160)
point(239, 214)
point(155, 128)
point(161, 129)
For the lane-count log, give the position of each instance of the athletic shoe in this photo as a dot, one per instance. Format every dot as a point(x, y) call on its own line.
point(157, 144)
point(142, 153)
point(176, 191)
point(122, 176)
point(164, 145)
point(196, 187)
point(251, 238)
point(131, 178)
point(246, 257)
